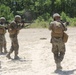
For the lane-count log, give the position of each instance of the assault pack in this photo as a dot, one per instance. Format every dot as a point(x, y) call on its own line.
point(58, 27)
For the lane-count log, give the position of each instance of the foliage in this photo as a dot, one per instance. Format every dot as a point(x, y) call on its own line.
point(5, 12)
point(42, 9)
point(63, 16)
point(39, 24)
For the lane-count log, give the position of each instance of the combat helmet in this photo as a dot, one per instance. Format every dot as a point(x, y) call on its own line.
point(56, 15)
point(18, 18)
point(2, 19)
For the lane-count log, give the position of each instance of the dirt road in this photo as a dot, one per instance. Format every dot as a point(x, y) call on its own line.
point(36, 57)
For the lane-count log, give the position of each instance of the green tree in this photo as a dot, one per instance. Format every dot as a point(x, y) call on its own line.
point(5, 11)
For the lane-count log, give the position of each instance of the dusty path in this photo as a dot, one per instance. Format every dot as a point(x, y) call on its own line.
point(36, 57)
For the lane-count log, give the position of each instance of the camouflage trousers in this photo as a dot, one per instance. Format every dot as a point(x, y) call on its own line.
point(58, 49)
point(14, 45)
point(2, 43)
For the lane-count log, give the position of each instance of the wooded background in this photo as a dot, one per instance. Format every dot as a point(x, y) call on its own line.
point(42, 9)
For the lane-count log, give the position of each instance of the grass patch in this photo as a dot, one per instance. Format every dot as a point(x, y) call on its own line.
point(39, 24)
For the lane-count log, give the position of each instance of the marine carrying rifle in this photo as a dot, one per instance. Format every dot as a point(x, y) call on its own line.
point(26, 23)
point(4, 25)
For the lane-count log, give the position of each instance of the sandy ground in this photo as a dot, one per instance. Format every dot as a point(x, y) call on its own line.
point(36, 57)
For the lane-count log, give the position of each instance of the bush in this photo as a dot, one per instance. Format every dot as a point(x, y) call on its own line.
point(5, 12)
point(63, 16)
point(72, 21)
point(46, 16)
point(39, 24)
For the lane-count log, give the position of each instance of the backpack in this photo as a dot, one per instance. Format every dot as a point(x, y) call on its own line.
point(65, 37)
point(57, 27)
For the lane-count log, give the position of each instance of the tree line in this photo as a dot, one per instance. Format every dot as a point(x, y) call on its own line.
point(43, 8)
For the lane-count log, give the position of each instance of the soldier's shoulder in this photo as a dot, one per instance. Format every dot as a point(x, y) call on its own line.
point(12, 23)
point(52, 23)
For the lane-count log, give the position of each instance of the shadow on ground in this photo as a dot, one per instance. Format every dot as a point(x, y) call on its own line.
point(69, 72)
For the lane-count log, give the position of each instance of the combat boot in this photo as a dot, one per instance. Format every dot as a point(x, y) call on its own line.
point(8, 56)
point(5, 51)
point(16, 57)
point(1, 51)
point(58, 66)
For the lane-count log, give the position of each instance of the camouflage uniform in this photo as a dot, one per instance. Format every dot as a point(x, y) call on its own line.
point(13, 30)
point(58, 46)
point(2, 35)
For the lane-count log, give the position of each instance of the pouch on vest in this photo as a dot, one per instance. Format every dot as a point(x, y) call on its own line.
point(57, 27)
point(65, 37)
point(2, 31)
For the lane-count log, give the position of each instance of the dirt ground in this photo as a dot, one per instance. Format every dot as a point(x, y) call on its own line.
point(35, 54)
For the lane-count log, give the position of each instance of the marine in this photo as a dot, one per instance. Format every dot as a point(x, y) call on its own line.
point(2, 35)
point(57, 28)
point(13, 29)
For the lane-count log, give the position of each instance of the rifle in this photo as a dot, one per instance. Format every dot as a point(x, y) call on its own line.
point(23, 22)
point(26, 23)
point(65, 22)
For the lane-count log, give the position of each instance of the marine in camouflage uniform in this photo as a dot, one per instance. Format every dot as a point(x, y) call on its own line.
point(13, 30)
point(58, 46)
point(2, 35)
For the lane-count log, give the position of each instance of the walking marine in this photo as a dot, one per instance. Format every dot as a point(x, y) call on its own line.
point(13, 29)
point(58, 39)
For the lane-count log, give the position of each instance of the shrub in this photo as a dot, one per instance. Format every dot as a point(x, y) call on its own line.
point(39, 24)
point(63, 16)
point(5, 12)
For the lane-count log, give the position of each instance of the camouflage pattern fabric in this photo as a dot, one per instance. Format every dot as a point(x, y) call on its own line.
point(4, 44)
point(58, 45)
point(56, 15)
point(2, 35)
point(1, 42)
point(14, 44)
point(58, 48)
point(13, 30)
point(18, 18)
